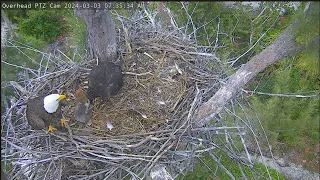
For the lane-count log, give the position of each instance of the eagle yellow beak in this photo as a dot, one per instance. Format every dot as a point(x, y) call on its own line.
point(62, 97)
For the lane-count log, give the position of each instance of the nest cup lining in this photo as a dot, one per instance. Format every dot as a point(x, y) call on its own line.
point(154, 84)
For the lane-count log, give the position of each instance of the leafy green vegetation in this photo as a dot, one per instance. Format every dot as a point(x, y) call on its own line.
point(206, 169)
point(310, 19)
point(293, 119)
point(239, 27)
point(45, 25)
point(77, 35)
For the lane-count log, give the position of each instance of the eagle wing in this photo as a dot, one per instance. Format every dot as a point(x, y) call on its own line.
point(35, 121)
point(104, 80)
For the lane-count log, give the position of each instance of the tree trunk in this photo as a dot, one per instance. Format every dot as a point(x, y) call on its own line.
point(7, 21)
point(101, 32)
point(284, 46)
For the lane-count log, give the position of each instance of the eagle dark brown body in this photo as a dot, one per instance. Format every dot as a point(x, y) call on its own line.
point(39, 118)
point(104, 80)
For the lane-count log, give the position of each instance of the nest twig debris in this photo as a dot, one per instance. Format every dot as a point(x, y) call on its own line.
point(165, 82)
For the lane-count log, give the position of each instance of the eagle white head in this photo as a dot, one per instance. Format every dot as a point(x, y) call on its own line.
point(51, 102)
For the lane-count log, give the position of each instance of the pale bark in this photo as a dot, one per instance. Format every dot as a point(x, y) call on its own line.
point(9, 25)
point(101, 33)
point(159, 172)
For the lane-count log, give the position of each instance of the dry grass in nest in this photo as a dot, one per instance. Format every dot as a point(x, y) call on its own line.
point(154, 85)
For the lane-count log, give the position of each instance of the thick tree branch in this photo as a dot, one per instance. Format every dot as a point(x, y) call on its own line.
point(283, 46)
point(101, 32)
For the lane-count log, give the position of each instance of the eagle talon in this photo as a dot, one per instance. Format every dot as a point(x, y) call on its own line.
point(64, 122)
point(51, 129)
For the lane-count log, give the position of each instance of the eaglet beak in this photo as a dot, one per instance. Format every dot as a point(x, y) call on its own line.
point(61, 97)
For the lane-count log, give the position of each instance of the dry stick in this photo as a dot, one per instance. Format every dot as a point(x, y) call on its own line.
point(98, 173)
point(208, 167)
point(47, 170)
point(172, 21)
point(65, 57)
point(107, 177)
point(263, 130)
point(189, 116)
point(282, 47)
point(49, 159)
point(130, 155)
point(117, 158)
point(241, 136)
point(140, 143)
point(10, 110)
point(256, 140)
point(189, 20)
point(221, 166)
point(71, 136)
point(60, 171)
point(234, 61)
point(242, 139)
point(54, 74)
point(9, 114)
point(40, 65)
point(169, 40)
point(280, 95)
point(135, 74)
point(151, 18)
point(21, 67)
point(47, 64)
point(217, 35)
point(201, 54)
point(18, 48)
point(156, 157)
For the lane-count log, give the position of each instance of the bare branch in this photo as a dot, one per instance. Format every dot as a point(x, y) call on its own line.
point(280, 95)
point(282, 47)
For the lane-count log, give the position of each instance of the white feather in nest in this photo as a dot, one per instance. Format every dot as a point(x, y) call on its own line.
point(109, 125)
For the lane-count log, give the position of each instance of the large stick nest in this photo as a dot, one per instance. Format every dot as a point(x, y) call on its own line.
point(166, 79)
point(155, 85)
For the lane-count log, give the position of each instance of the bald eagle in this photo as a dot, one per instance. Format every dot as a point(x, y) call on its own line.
point(45, 112)
point(104, 80)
